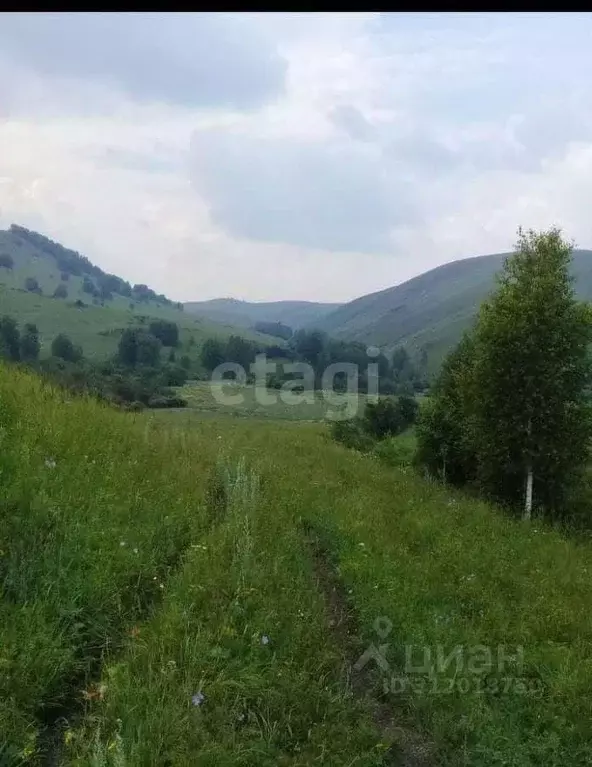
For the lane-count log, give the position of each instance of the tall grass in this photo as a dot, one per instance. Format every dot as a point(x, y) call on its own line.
point(94, 517)
point(154, 569)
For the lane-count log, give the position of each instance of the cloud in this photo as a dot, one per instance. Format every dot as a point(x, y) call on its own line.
point(293, 155)
point(322, 194)
point(205, 60)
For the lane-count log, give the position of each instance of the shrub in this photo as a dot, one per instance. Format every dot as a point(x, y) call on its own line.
point(32, 285)
point(383, 418)
point(352, 434)
point(6, 261)
point(62, 347)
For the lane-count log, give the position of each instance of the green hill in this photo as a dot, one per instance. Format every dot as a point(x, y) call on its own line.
point(295, 314)
point(214, 591)
point(432, 310)
point(106, 303)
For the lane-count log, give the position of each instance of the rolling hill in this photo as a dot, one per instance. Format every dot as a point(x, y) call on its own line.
point(430, 311)
point(245, 314)
point(90, 306)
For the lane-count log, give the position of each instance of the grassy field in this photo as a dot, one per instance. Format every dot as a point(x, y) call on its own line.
point(181, 591)
point(259, 402)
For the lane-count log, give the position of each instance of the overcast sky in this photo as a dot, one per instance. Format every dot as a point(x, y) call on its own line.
point(293, 156)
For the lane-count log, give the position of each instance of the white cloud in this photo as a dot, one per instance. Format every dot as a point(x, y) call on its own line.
point(293, 155)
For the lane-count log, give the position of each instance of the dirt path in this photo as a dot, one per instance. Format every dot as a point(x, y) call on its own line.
point(407, 747)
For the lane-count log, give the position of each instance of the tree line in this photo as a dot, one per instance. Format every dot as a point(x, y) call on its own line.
point(398, 374)
point(138, 375)
point(98, 284)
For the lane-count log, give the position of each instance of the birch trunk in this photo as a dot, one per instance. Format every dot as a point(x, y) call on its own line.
point(528, 500)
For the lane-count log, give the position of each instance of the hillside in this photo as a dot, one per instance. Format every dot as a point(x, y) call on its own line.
point(295, 314)
point(431, 310)
point(174, 593)
point(106, 303)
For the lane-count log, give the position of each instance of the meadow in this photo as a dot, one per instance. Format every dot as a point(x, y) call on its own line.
point(180, 590)
point(259, 402)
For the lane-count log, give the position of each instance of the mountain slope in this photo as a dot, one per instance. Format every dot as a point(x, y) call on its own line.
point(96, 306)
point(296, 314)
point(433, 309)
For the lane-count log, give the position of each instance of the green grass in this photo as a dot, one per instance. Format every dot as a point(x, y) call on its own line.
point(220, 510)
point(259, 402)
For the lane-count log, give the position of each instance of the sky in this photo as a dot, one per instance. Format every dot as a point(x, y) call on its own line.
point(316, 156)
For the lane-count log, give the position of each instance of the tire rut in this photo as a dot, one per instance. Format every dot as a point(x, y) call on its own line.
point(408, 748)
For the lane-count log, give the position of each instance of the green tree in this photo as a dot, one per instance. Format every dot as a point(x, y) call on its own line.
point(9, 339)
point(137, 347)
point(212, 353)
point(509, 409)
point(62, 347)
point(88, 286)
point(167, 332)
point(6, 261)
point(29, 343)
point(240, 351)
point(445, 444)
point(61, 291)
point(400, 362)
point(32, 285)
point(532, 424)
point(309, 345)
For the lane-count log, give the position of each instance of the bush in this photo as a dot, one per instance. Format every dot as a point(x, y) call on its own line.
point(32, 285)
point(174, 375)
point(62, 347)
point(6, 261)
point(61, 291)
point(389, 416)
point(9, 339)
point(352, 434)
point(162, 401)
point(166, 332)
point(88, 286)
point(29, 343)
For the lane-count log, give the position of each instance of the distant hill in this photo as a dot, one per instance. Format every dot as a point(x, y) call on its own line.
point(430, 311)
point(61, 291)
point(245, 314)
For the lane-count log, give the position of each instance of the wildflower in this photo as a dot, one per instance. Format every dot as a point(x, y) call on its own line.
point(95, 693)
point(135, 551)
point(122, 543)
point(198, 698)
point(264, 640)
point(50, 463)
point(161, 585)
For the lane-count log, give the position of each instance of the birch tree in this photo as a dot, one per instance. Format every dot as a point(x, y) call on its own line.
point(530, 371)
